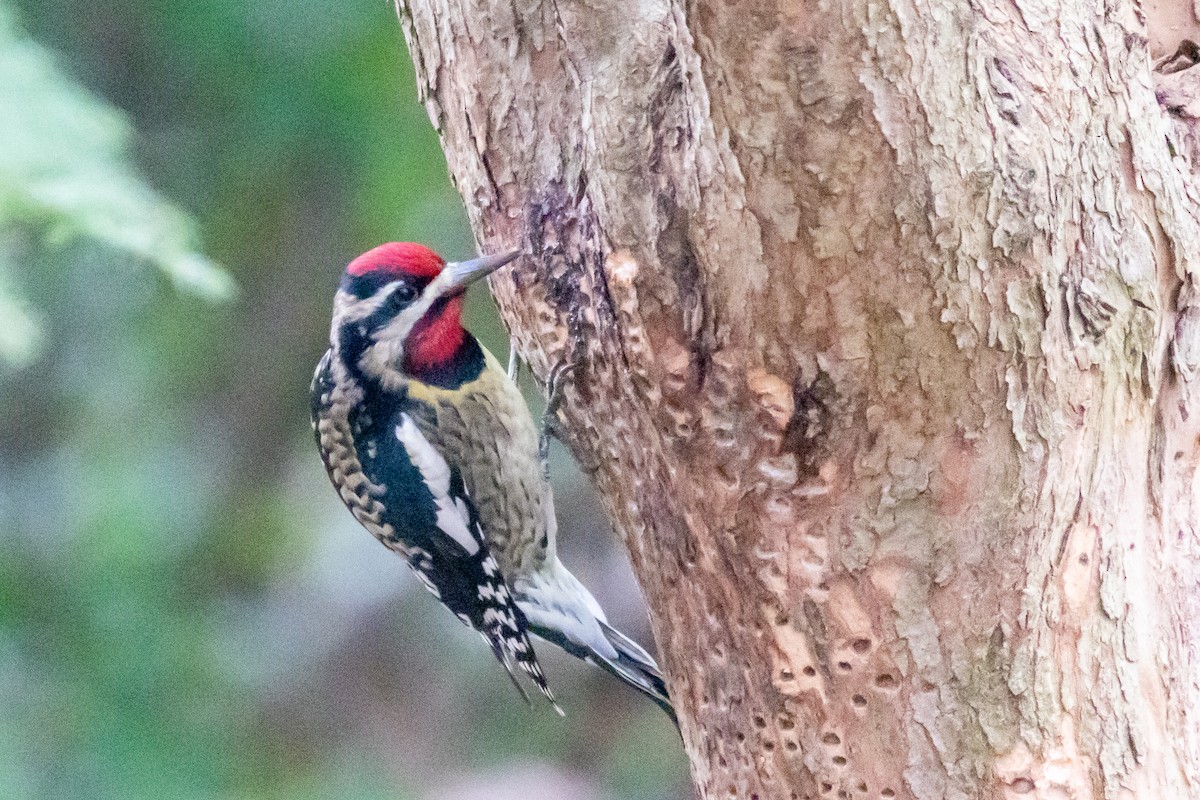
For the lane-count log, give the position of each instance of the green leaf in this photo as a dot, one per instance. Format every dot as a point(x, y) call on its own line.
point(65, 173)
point(20, 333)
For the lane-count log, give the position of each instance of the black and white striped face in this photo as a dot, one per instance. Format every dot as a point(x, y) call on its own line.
point(381, 310)
point(383, 298)
point(376, 314)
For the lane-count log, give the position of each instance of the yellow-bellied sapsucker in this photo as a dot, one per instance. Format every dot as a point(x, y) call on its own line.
point(430, 445)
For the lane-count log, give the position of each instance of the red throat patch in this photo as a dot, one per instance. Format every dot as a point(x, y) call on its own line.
point(436, 337)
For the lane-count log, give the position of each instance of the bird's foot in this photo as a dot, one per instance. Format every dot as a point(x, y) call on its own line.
point(550, 423)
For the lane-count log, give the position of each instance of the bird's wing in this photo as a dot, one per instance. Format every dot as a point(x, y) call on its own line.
point(427, 507)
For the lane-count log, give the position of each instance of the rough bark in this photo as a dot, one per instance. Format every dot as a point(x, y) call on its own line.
point(887, 340)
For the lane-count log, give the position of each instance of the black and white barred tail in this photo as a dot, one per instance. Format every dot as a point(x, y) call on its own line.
point(631, 665)
point(493, 613)
point(558, 609)
point(506, 630)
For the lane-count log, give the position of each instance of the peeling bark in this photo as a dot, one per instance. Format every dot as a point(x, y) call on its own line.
point(887, 344)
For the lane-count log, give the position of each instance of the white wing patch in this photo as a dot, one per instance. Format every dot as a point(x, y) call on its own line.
point(452, 514)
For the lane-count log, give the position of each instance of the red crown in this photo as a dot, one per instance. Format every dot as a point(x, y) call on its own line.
point(398, 258)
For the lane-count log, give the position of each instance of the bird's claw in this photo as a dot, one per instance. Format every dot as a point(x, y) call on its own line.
point(550, 424)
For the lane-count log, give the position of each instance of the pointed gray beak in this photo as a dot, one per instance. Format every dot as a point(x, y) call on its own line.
point(461, 274)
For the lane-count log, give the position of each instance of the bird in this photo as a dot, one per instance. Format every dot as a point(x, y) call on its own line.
point(430, 445)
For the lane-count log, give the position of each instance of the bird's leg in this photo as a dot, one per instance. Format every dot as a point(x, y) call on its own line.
point(554, 398)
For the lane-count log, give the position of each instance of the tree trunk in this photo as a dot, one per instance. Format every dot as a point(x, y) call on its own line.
point(886, 339)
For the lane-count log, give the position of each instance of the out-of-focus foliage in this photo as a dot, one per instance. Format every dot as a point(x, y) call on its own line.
point(64, 169)
point(185, 609)
point(20, 333)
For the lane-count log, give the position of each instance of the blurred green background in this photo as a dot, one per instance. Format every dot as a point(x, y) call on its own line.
point(186, 611)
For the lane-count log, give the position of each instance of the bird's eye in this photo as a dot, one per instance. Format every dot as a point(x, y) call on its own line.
point(402, 295)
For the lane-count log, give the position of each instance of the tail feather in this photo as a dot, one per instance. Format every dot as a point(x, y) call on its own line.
point(635, 667)
point(558, 608)
point(632, 665)
point(509, 638)
point(502, 657)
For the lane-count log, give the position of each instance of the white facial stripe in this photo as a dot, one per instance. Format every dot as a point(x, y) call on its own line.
point(452, 515)
point(352, 309)
point(383, 356)
point(398, 328)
